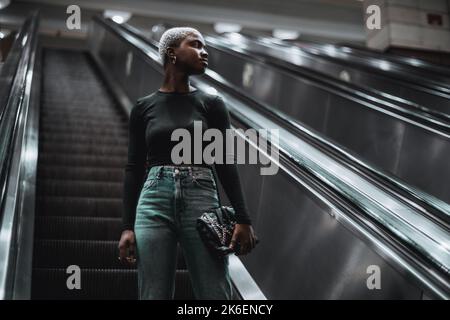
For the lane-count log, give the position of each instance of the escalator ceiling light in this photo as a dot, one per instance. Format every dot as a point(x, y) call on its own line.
point(117, 19)
point(4, 3)
point(117, 16)
point(235, 38)
point(222, 27)
point(285, 34)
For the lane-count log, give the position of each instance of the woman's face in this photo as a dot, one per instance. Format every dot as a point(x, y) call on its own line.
point(191, 54)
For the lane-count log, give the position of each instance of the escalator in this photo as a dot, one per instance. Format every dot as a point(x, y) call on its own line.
point(392, 80)
point(321, 222)
point(82, 153)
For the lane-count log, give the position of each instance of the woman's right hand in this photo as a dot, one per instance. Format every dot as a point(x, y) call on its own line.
point(127, 247)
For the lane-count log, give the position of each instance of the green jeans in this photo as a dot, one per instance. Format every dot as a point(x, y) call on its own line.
point(171, 200)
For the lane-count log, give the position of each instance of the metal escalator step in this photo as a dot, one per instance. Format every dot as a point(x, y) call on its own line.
point(50, 283)
point(87, 123)
point(80, 173)
point(99, 284)
point(56, 129)
point(53, 187)
point(69, 115)
point(53, 147)
point(82, 160)
point(76, 106)
point(69, 138)
point(77, 228)
point(78, 206)
point(83, 253)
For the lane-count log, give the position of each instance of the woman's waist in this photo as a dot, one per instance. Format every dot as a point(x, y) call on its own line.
point(158, 170)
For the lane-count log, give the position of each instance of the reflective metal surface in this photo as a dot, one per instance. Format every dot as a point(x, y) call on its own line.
point(19, 142)
point(313, 243)
point(382, 75)
point(302, 59)
point(414, 153)
point(422, 68)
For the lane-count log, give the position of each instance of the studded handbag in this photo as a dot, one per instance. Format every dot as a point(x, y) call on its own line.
point(216, 227)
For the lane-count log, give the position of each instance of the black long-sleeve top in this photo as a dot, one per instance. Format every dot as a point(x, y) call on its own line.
point(152, 121)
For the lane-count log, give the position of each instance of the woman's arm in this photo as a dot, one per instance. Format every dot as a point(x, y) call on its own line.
point(135, 167)
point(228, 173)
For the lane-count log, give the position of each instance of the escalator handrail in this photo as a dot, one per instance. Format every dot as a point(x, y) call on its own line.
point(441, 71)
point(146, 48)
point(424, 112)
point(396, 70)
point(419, 116)
point(18, 162)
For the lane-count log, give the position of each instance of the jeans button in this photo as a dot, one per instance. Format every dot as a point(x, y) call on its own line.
point(177, 171)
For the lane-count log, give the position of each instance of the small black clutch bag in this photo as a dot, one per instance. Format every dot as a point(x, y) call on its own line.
point(216, 228)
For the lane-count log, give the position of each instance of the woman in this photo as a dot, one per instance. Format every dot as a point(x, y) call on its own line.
point(164, 211)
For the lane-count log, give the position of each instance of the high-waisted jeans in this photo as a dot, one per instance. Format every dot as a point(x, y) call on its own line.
point(171, 200)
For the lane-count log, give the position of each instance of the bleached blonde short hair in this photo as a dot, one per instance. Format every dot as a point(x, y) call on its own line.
point(172, 38)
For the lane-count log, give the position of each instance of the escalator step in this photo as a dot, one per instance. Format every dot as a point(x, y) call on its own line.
point(77, 106)
point(68, 114)
point(77, 228)
point(98, 284)
point(86, 123)
point(59, 129)
point(83, 253)
point(53, 147)
point(83, 160)
point(88, 139)
point(79, 206)
point(81, 173)
point(50, 187)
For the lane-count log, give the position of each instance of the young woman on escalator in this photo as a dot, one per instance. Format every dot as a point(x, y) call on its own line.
point(161, 209)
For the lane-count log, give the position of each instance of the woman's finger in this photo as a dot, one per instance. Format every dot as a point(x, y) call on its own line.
point(122, 251)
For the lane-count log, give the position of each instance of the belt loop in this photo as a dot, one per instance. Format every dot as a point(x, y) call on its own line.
point(160, 171)
point(190, 171)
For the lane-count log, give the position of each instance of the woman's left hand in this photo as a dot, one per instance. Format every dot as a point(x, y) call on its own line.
point(244, 236)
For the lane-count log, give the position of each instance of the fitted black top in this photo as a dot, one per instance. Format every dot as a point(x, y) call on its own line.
point(152, 121)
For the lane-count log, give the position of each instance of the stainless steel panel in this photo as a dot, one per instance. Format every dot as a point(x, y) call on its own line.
point(385, 141)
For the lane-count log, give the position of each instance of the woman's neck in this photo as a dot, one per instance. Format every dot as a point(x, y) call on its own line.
point(176, 82)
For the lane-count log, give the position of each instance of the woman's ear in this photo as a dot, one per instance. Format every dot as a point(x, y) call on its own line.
point(170, 53)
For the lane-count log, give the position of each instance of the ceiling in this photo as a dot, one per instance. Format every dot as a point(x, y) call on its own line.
point(333, 19)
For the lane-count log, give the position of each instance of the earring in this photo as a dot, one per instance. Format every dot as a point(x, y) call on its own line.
point(174, 60)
